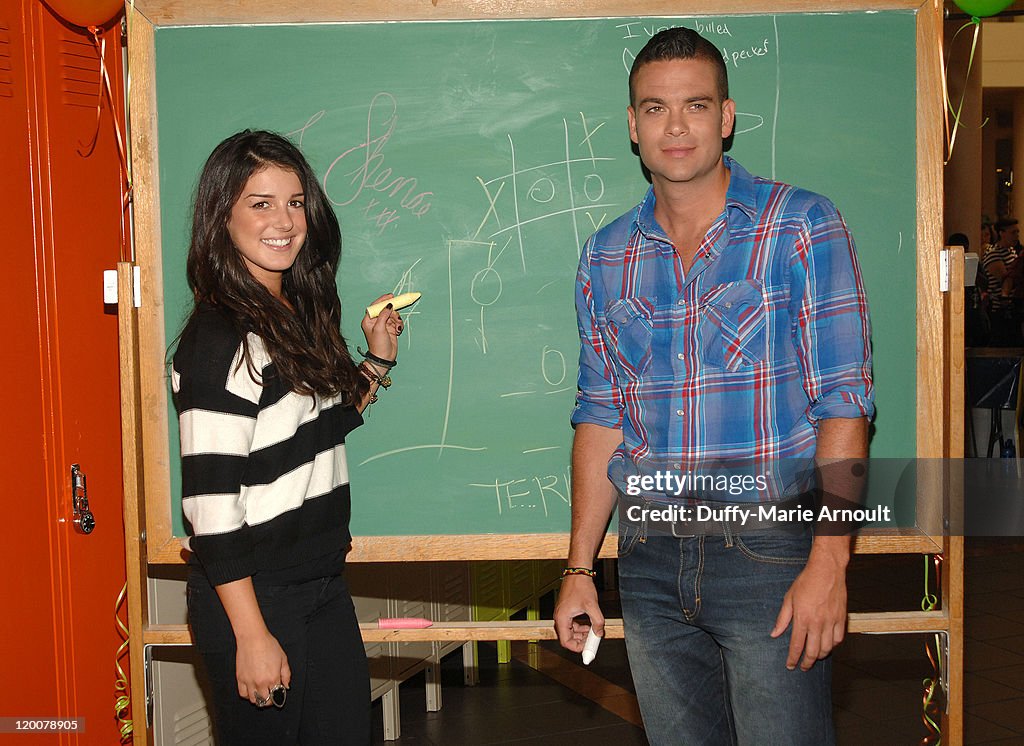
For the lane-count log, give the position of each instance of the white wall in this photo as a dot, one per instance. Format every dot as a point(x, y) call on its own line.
point(1002, 54)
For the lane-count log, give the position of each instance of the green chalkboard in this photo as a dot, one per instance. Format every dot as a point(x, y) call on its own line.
point(470, 160)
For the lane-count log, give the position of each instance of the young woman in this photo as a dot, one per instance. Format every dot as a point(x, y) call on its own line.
point(266, 392)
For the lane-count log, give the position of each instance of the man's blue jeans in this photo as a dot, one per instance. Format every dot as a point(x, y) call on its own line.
point(698, 614)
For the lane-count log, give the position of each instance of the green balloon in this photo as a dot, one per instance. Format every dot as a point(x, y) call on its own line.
point(983, 8)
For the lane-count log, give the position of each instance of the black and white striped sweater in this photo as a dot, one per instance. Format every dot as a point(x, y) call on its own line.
point(264, 475)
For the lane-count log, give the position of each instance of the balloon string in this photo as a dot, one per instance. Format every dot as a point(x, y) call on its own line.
point(85, 150)
point(129, 14)
point(100, 44)
point(126, 156)
point(951, 132)
point(101, 47)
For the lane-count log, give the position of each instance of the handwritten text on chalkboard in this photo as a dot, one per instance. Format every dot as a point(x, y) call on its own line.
point(369, 173)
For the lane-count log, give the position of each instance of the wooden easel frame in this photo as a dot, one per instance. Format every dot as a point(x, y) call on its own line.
point(940, 364)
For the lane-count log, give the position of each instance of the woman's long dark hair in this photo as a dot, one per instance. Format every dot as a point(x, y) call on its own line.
point(306, 346)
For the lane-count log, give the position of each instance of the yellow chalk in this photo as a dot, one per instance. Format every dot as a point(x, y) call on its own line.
point(398, 302)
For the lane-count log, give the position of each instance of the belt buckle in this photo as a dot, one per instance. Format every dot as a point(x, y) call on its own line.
point(676, 534)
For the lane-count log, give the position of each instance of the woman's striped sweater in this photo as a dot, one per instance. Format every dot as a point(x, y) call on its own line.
point(264, 476)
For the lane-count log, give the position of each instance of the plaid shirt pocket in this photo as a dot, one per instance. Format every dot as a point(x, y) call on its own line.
point(631, 328)
point(733, 326)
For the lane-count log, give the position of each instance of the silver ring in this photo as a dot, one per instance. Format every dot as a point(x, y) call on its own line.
point(261, 702)
point(279, 695)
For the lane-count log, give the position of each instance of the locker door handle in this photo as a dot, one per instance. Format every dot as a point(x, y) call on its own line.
point(83, 518)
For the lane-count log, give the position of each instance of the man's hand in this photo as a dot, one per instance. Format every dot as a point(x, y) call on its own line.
point(816, 604)
point(593, 499)
point(577, 597)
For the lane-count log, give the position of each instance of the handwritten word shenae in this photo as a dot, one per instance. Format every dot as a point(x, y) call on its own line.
point(369, 173)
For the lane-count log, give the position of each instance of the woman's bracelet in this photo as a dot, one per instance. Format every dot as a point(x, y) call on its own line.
point(579, 571)
point(377, 370)
point(374, 377)
point(379, 360)
point(370, 376)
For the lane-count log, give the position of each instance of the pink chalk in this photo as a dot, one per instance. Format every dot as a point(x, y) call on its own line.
point(404, 623)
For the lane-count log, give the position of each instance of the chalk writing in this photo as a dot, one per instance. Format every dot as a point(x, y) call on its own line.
point(301, 131)
point(395, 195)
point(746, 122)
point(425, 446)
point(552, 366)
point(642, 30)
point(527, 195)
point(479, 266)
point(530, 492)
point(711, 28)
point(734, 57)
point(639, 30)
point(406, 284)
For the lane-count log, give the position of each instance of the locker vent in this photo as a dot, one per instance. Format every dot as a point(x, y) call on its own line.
point(192, 726)
point(80, 72)
point(6, 71)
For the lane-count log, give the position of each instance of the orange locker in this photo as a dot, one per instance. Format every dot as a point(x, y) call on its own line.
point(61, 203)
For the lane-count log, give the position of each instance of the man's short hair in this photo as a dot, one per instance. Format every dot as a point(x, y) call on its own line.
point(680, 43)
point(1005, 224)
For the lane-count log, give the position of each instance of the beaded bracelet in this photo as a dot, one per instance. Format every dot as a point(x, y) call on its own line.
point(368, 372)
point(578, 571)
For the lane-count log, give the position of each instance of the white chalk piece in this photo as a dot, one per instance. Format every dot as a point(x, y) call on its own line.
point(590, 647)
point(398, 302)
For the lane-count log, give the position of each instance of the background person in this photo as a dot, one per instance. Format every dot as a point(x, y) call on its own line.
point(1001, 266)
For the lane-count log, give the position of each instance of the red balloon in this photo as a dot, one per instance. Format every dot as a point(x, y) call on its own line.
point(86, 12)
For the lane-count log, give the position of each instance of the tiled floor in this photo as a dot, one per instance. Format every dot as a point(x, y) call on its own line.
point(545, 697)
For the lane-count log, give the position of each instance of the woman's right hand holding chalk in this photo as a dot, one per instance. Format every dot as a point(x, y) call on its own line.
point(382, 331)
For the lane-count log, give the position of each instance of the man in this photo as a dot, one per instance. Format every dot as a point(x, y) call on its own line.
point(722, 319)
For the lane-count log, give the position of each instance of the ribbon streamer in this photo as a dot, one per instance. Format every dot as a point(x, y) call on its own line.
point(121, 684)
point(930, 601)
point(86, 149)
point(929, 706)
point(947, 105)
point(930, 715)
